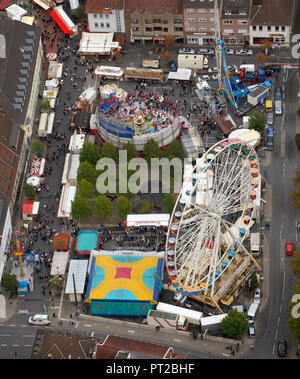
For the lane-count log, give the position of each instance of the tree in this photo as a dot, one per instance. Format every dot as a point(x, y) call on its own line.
point(37, 147)
point(85, 188)
point(175, 150)
point(10, 282)
point(297, 140)
point(298, 111)
point(295, 264)
point(110, 151)
point(81, 207)
point(103, 206)
point(124, 206)
point(89, 153)
point(253, 281)
point(261, 57)
point(88, 172)
point(257, 122)
point(295, 195)
point(294, 322)
point(235, 324)
point(29, 191)
point(80, 12)
point(168, 202)
point(45, 105)
point(146, 207)
point(131, 151)
point(151, 150)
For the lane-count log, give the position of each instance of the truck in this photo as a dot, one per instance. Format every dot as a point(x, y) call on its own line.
point(141, 73)
point(151, 63)
point(192, 317)
point(254, 243)
point(258, 95)
point(193, 61)
point(252, 313)
point(166, 320)
point(212, 323)
point(252, 76)
point(42, 130)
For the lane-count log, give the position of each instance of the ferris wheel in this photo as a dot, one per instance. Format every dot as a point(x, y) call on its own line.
point(212, 217)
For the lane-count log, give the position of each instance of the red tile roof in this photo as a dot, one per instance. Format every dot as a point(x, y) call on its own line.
point(154, 7)
point(98, 6)
point(4, 4)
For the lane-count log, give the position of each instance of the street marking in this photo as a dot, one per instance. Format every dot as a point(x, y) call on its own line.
point(87, 325)
point(131, 331)
point(5, 335)
point(3, 344)
point(28, 335)
point(176, 340)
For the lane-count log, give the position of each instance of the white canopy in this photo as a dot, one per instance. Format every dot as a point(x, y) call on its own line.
point(97, 43)
point(78, 267)
point(109, 71)
point(59, 262)
point(180, 74)
point(14, 12)
point(148, 219)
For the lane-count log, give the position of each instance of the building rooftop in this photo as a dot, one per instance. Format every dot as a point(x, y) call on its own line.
point(273, 12)
point(195, 4)
point(102, 6)
point(155, 7)
point(236, 8)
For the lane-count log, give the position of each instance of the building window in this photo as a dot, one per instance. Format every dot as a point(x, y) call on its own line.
point(189, 10)
point(156, 21)
point(276, 28)
point(283, 28)
point(260, 28)
point(202, 20)
point(190, 20)
point(242, 22)
point(135, 21)
point(157, 28)
point(108, 25)
point(191, 29)
point(136, 29)
point(165, 22)
point(202, 29)
point(102, 25)
point(166, 30)
point(101, 15)
point(177, 21)
point(227, 22)
point(95, 15)
point(269, 28)
point(148, 29)
point(177, 29)
point(148, 21)
point(107, 16)
point(96, 25)
point(201, 10)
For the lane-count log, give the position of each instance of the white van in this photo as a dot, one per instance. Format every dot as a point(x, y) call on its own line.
point(252, 312)
point(39, 320)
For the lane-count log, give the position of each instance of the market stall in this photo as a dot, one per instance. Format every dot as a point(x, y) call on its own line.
point(159, 219)
point(30, 209)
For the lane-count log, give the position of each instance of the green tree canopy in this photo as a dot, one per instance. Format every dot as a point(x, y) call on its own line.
point(175, 150)
point(89, 153)
point(294, 322)
point(29, 191)
point(169, 202)
point(253, 281)
point(81, 207)
point(37, 147)
point(88, 172)
point(10, 282)
point(295, 264)
point(45, 105)
point(146, 207)
point(235, 324)
point(131, 151)
point(124, 206)
point(151, 150)
point(110, 151)
point(257, 121)
point(103, 206)
point(295, 195)
point(297, 140)
point(85, 188)
point(80, 12)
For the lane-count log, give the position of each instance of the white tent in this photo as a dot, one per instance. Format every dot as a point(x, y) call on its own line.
point(180, 74)
point(148, 219)
point(74, 4)
point(14, 12)
point(59, 262)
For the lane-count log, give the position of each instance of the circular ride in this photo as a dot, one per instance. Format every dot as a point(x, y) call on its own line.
point(205, 253)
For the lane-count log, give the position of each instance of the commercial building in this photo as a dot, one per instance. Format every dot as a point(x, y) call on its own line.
point(21, 58)
point(154, 21)
point(199, 21)
point(235, 21)
point(5, 233)
point(105, 16)
point(272, 20)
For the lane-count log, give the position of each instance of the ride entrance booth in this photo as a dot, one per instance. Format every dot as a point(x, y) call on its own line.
point(136, 220)
point(30, 209)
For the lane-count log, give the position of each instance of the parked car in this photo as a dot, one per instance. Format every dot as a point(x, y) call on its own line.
point(213, 69)
point(229, 51)
point(270, 119)
point(257, 296)
point(251, 331)
point(206, 52)
point(270, 143)
point(289, 248)
point(172, 66)
point(215, 77)
point(271, 132)
point(205, 77)
point(273, 67)
point(244, 52)
point(282, 348)
point(186, 50)
point(39, 319)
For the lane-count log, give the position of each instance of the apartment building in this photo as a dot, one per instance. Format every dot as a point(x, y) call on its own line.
point(21, 59)
point(272, 20)
point(235, 21)
point(153, 21)
point(106, 16)
point(199, 21)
